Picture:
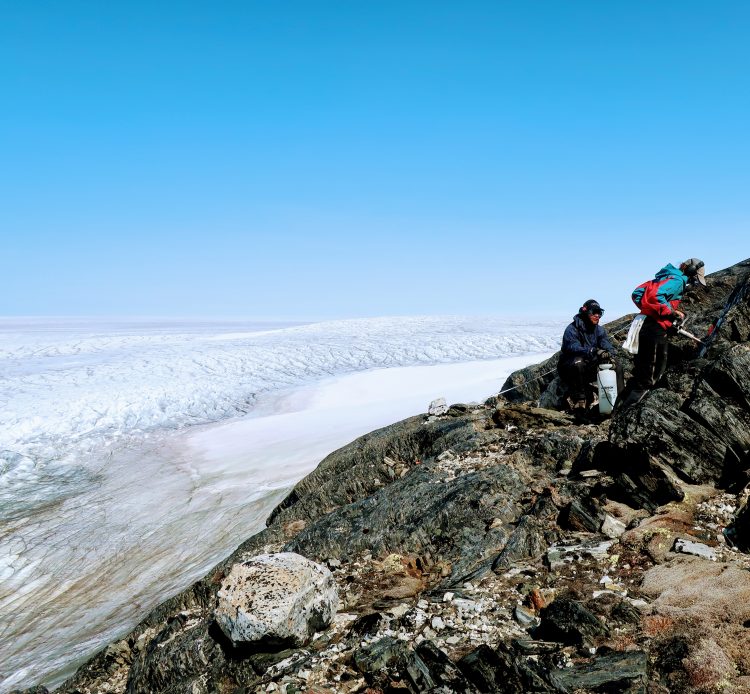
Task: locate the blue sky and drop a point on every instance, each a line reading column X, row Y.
column 331, row 159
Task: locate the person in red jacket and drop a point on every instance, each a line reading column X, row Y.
column 658, row 300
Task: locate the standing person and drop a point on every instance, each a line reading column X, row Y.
column 658, row 300
column 585, row 345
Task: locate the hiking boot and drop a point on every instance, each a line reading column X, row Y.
column 580, row 411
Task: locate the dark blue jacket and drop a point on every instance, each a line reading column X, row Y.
column 582, row 339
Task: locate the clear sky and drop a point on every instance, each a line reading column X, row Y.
column 313, row 159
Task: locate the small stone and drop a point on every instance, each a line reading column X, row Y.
column 437, row 623
column 523, row 616
column 697, row 549
column 452, row 640
column 423, row 604
column 612, row 527
column 559, row 555
column 399, row 611
column 537, row 599
column 447, row 597
column 590, row 473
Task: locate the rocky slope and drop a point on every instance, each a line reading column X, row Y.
column 505, row 547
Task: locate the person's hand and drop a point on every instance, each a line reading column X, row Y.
column 680, row 315
column 603, row 355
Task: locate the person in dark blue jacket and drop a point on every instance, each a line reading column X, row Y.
column 585, row 345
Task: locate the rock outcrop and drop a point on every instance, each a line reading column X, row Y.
column 501, row 547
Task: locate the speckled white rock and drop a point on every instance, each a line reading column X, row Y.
column 437, row 407
column 276, row 598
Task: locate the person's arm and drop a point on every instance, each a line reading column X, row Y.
column 669, row 295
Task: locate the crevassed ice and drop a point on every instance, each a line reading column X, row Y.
column 69, row 388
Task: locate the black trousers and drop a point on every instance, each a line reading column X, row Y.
column 579, row 373
column 648, row 365
column 651, row 361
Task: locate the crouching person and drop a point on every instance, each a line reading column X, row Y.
column 585, row 345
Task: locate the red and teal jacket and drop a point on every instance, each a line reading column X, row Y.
column 660, row 297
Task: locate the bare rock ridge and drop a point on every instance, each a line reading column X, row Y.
column 495, row 547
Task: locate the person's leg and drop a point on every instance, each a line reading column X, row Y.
column 660, row 358
column 644, row 361
column 620, row 377
column 572, row 375
column 588, row 375
column 650, row 338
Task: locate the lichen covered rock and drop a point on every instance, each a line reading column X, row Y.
column 278, row 598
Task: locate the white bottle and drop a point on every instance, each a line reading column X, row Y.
column 607, row 381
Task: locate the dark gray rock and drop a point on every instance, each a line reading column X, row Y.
column 623, row 612
column 636, row 479
column 614, row 672
column 728, row 423
column 384, row 653
column 534, row 532
column 554, row 396
column 557, row 448
column 350, row 474
column 436, row 669
column 584, row 515
column 529, row 383
column 366, row 624
column 502, row 670
column 178, row 656
column 670, row 437
column 738, row 533
column 416, row 516
column 569, row 622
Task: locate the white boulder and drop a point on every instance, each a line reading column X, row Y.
column 437, row 407
column 280, row 598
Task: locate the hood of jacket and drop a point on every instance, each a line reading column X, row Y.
column 582, row 324
column 670, row 270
